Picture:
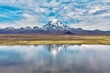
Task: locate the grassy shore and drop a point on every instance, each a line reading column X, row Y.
column 29, row 39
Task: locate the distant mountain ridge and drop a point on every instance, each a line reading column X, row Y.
column 52, row 27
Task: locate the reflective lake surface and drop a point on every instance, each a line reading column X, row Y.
column 55, row 59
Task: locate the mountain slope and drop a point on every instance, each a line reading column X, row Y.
column 55, row 25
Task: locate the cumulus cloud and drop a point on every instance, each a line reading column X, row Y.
column 87, row 14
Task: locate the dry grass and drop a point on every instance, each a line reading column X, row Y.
column 28, row 39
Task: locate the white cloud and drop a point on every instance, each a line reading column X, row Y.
column 36, row 12
column 28, row 20
column 98, row 24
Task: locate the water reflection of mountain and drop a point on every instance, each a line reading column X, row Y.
column 54, row 49
column 55, row 59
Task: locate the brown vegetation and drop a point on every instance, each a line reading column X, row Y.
column 16, row 39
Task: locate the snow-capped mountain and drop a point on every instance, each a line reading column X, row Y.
column 52, row 27
column 55, row 25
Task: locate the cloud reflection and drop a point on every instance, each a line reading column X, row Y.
column 65, row 58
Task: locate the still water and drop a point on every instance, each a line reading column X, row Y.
column 55, row 59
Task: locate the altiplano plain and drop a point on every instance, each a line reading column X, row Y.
column 28, row 39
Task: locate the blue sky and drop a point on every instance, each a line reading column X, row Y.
column 86, row 14
column 41, row 55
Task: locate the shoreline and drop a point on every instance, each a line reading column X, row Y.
column 46, row 42
column 30, row 39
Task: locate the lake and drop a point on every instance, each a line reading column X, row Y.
column 55, row 59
